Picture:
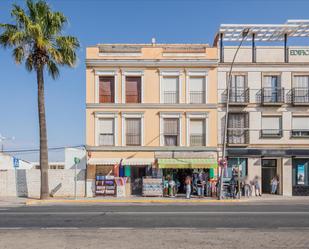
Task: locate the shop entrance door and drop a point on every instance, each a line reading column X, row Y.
column 269, row 170
column 137, row 174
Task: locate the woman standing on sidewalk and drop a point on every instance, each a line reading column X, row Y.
column 274, row 184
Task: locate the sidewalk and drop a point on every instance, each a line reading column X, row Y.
column 12, row 201
column 166, row 200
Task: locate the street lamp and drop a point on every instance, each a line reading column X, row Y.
column 244, row 34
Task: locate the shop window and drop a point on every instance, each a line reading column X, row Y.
column 106, row 89
column 233, row 164
column 300, row 172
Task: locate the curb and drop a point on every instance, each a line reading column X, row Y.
column 63, row 201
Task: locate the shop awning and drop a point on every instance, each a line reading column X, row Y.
column 196, row 163
column 129, row 161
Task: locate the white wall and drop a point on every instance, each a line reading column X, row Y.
column 6, row 162
column 71, row 153
column 26, row 183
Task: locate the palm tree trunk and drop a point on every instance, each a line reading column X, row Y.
column 43, row 135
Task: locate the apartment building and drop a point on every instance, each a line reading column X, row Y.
column 268, row 120
column 150, row 108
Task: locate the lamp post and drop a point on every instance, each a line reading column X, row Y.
column 244, row 34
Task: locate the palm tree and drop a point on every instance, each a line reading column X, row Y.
column 36, row 39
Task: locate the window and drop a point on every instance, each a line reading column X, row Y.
column 133, row 131
column 106, row 89
column 300, row 172
column 301, row 81
column 300, row 126
column 300, row 91
column 106, row 131
column 133, row 89
column 197, row 132
column 237, row 128
column 272, row 91
column 271, row 127
column 233, row 165
column 170, row 90
column 197, row 90
column 171, row 131
column 238, row 89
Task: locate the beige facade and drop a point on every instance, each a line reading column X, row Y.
column 155, row 68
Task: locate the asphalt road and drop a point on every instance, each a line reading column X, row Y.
column 227, row 216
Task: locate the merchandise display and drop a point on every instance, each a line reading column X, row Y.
column 105, row 185
column 152, row 187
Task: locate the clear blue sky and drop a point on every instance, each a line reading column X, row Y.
column 93, row 22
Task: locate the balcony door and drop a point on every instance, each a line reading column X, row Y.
column 237, row 91
column 271, row 86
column 301, row 88
column 133, row 89
column 170, row 90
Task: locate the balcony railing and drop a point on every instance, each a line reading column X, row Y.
column 300, row 133
column 300, row 96
column 170, row 140
column 197, row 97
column 237, row 136
column 170, row 97
column 271, row 133
column 106, row 139
column 272, row 95
column 197, row 140
column 133, row 139
column 237, row 96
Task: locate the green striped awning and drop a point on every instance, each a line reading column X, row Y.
column 195, row 163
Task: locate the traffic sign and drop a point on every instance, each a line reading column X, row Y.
column 76, row 160
column 15, row 162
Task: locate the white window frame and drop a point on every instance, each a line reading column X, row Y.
column 192, row 73
column 97, row 74
column 190, row 116
column 172, row 73
column 134, row 73
column 125, row 115
column 102, row 115
column 164, row 115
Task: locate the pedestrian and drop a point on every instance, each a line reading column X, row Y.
column 274, row 184
column 188, row 182
column 257, row 188
column 199, row 188
column 233, row 184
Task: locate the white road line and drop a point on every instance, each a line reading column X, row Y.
column 59, row 228
column 11, row 228
column 156, row 213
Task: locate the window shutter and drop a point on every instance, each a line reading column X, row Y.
column 170, row 84
column 301, row 81
column 300, row 123
column 271, row 123
column 106, row 89
column 171, row 126
column 197, row 127
column 197, row 84
column 133, row 89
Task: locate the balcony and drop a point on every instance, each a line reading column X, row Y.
column 271, row 133
column 133, row 139
column 238, row 96
column 197, row 140
column 238, row 136
column 197, row 97
column 170, row 97
column 300, row 96
column 300, row 133
column 272, row 96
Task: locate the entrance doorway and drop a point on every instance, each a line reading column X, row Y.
column 137, row 174
column 269, row 170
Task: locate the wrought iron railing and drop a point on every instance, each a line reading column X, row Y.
column 300, row 133
column 237, row 96
column 300, row 95
column 271, row 133
column 106, row 139
column 272, row 95
column 197, row 97
column 237, row 136
column 197, row 140
column 170, row 97
column 133, row 139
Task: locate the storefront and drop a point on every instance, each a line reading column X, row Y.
column 203, row 173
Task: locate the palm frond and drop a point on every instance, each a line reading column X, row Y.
column 52, row 69
column 18, row 54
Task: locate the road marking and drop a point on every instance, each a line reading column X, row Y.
column 109, row 213
column 59, row 228
column 11, row 228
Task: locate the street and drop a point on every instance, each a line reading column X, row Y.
column 233, row 225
